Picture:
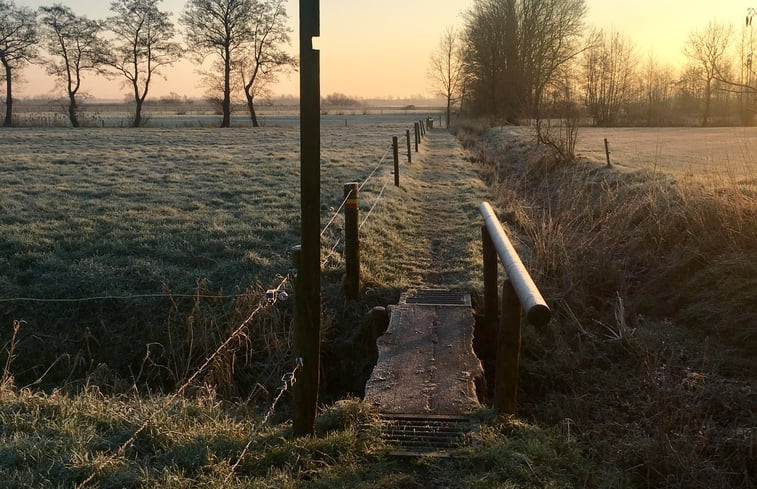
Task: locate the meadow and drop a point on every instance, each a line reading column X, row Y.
column 644, row 378
column 148, row 222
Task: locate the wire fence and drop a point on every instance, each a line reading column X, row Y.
column 270, row 298
column 331, row 249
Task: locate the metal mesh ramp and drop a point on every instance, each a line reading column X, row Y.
column 428, row 435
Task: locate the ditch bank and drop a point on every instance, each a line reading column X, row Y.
column 651, row 279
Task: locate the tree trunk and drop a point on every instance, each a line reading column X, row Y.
column 251, row 108
column 227, row 90
column 449, row 105
column 8, row 97
column 707, row 100
column 72, row 110
column 138, row 114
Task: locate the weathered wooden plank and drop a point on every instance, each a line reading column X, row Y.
column 426, row 362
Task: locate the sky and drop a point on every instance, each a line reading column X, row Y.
column 380, row 49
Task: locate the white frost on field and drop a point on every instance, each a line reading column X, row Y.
column 117, row 211
column 729, row 152
column 725, row 152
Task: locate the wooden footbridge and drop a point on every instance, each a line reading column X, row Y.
column 425, row 382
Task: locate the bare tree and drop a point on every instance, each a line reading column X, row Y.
column 264, row 57
column 707, row 49
column 223, row 28
column 446, row 70
column 491, row 57
column 18, row 38
column 550, row 33
column 609, row 68
column 75, row 45
column 656, row 89
column 143, row 45
column 516, row 48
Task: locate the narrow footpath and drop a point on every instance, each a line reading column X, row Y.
column 429, row 234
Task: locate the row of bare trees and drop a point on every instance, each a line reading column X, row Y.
column 536, row 59
column 246, row 39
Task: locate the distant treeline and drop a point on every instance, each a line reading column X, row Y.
column 537, row 59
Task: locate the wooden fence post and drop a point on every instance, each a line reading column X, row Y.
column 508, row 352
column 417, row 136
column 396, row 151
column 351, row 242
column 409, row 153
column 607, row 152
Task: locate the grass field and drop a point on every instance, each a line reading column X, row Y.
column 644, row 378
column 108, row 212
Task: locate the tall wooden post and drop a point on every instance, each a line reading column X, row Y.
column 307, row 310
column 417, row 136
column 351, row 242
column 396, row 151
column 508, row 352
column 409, row 153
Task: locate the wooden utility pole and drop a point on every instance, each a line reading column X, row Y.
column 307, row 310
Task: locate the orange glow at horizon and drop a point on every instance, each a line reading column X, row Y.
column 381, row 49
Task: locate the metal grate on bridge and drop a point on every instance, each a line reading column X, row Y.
column 428, row 435
column 436, row 297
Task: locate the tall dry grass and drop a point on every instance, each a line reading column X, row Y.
column 653, row 280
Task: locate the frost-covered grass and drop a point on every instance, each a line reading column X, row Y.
column 51, row 441
column 110, row 212
column 425, row 232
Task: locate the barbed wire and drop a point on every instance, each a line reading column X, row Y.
column 123, row 297
column 288, row 380
column 271, row 297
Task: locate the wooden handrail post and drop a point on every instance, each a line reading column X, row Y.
column 508, row 352
column 351, row 242
column 409, row 153
column 396, row 152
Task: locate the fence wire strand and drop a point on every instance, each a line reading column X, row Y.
column 336, row 214
column 373, row 207
column 123, row 297
column 383, row 158
column 288, row 380
column 264, row 303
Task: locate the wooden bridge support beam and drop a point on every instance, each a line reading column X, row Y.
column 508, row 351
